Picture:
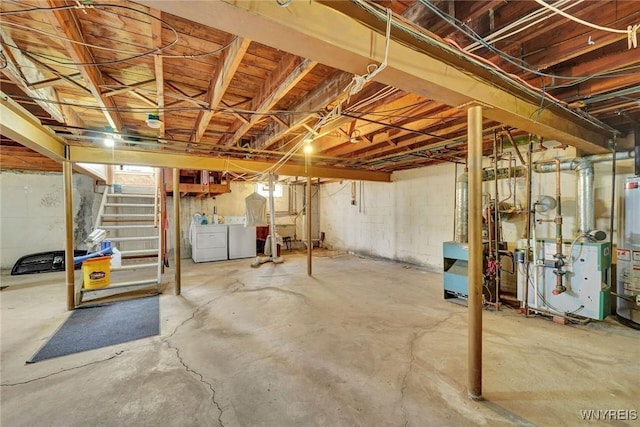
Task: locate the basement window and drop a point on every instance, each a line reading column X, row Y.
column 263, row 189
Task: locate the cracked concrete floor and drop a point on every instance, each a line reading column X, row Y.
column 363, row 342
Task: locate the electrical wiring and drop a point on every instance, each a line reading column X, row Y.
column 489, row 66
column 372, row 8
column 200, row 55
column 464, row 28
column 418, row 132
column 618, row 72
column 356, row 84
column 146, row 109
column 94, row 6
column 631, row 31
column 110, row 49
column 59, row 37
column 537, row 16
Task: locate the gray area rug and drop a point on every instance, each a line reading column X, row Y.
column 103, row 325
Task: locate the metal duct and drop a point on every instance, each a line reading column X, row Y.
column 461, row 232
column 585, row 197
column 585, row 204
column 566, row 165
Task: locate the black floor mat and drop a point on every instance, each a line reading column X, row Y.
column 101, row 326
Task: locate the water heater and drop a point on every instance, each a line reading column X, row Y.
column 628, row 277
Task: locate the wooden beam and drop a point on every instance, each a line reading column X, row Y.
column 394, row 101
column 20, row 70
column 127, row 88
column 570, row 41
column 183, row 97
column 64, row 22
column 234, row 114
column 280, row 120
column 317, row 99
column 289, row 72
column 57, row 73
column 424, row 66
column 125, row 155
column 54, row 80
column 228, row 64
column 450, row 122
column 595, row 87
column 19, row 125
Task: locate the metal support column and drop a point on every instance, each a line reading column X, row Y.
column 474, row 117
column 68, row 223
column 176, row 229
column 308, row 212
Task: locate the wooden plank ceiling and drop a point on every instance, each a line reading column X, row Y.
column 85, row 71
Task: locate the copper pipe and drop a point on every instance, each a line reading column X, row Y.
column 474, row 117
column 559, row 256
column 67, row 172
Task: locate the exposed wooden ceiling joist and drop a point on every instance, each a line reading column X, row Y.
column 15, row 61
column 228, row 64
column 280, row 82
column 308, row 30
column 65, row 23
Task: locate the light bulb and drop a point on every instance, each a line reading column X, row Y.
column 308, row 148
column 109, row 142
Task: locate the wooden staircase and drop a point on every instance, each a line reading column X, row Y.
column 130, row 215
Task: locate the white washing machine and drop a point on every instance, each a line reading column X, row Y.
column 209, row 242
column 242, row 240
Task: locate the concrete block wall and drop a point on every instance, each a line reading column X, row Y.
column 405, row 220
column 32, row 217
column 408, row 219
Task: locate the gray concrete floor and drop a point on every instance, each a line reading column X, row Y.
column 363, row 342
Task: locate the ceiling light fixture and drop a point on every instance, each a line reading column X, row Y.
column 153, row 121
column 308, row 148
column 109, row 137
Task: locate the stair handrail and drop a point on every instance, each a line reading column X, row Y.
column 98, row 221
